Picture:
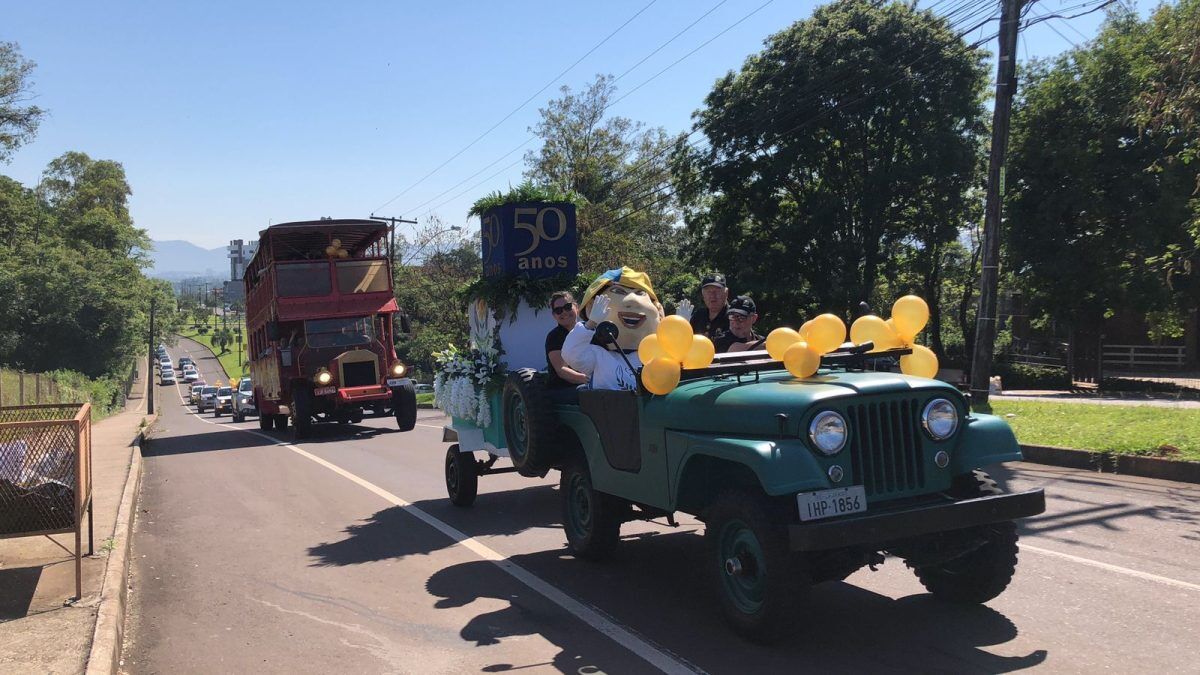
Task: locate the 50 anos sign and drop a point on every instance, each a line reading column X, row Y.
column 533, row 239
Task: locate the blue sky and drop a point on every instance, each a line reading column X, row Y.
column 230, row 115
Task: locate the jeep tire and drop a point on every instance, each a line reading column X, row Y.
column 530, row 427
column 757, row 583
column 462, row 476
column 591, row 519
column 983, row 573
column 404, row 406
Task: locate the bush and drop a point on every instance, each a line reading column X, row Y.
column 1021, row 376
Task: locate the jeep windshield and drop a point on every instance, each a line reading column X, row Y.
column 349, row 332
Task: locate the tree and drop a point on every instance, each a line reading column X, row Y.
column 620, row 169
column 18, row 121
column 852, row 135
column 1096, row 222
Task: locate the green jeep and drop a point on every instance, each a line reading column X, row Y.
column 798, row 481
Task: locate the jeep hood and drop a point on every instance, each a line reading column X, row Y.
column 724, row 405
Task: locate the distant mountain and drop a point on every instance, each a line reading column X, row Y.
column 177, row 259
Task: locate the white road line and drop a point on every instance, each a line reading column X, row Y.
column 1113, row 568
column 655, row 656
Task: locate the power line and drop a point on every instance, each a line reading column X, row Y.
column 519, row 107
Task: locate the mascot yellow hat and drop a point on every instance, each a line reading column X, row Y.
column 624, row 277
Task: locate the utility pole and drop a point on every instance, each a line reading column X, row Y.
column 150, row 364
column 392, row 242
column 989, row 277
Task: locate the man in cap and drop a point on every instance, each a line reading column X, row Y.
column 741, row 336
column 711, row 320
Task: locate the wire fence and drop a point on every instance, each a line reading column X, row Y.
column 18, row 388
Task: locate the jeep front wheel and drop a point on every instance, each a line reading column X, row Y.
column 748, row 560
column 462, row 478
column 985, row 571
column 591, row 519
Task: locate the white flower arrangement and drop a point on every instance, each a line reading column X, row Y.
column 464, row 378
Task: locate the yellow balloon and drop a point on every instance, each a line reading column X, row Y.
column 871, row 328
column 675, row 337
column 909, row 315
column 801, row 360
column 922, row 362
column 779, row 340
column 826, row 334
column 804, row 328
column 343, row 253
column 330, row 251
column 701, row 353
column 661, row 375
column 649, row 349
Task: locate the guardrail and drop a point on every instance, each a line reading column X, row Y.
column 1137, row 357
column 46, row 474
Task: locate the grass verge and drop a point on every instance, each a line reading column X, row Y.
column 425, row 399
column 1129, row 430
column 230, row 359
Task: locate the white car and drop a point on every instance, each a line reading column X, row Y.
column 167, row 376
column 190, row 375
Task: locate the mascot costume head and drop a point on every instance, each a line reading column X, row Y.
column 633, row 306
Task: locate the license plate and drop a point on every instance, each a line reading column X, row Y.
column 829, row 503
column 324, row 391
column 398, row 382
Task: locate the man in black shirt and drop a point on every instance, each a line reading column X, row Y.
column 741, row 336
column 711, row 319
column 566, row 315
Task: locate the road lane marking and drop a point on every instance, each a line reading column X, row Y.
column 1112, row 568
column 655, row 656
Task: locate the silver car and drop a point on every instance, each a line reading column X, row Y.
column 208, row 399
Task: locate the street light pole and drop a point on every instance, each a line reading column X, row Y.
column 989, row 277
column 392, row 242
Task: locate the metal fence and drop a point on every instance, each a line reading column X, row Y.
column 46, row 473
column 21, row 388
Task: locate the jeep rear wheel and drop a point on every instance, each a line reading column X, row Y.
column 530, row 428
column 984, row 572
column 591, row 519
column 757, row 585
column 462, row 478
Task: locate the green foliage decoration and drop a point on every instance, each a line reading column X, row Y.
column 526, row 191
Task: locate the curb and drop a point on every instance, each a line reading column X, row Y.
column 104, row 656
column 1106, row 462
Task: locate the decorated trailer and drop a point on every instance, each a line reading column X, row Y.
column 805, row 461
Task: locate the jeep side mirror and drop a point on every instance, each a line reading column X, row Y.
column 607, row 332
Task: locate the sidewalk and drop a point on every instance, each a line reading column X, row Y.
column 41, row 631
column 1088, row 398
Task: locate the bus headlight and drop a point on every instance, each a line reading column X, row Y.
column 828, row 433
column 399, row 369
column 323, row 377
column 940, row 419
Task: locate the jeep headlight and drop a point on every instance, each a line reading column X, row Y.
column 940, row 419
column 828, row 433
column 398, row 369
column 323, row 377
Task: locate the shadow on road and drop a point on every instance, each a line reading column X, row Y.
column 394, row 533
column 17, row 586
column 208, row 441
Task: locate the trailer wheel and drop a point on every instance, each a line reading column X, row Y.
column 404, row 406
column 530, row 428
column 462, row 476
column 266, row 422
column 301, row 412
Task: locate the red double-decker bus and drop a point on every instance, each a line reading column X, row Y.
column 320, row 320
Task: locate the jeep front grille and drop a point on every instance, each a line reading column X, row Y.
column 360, row 374
column 885, row 447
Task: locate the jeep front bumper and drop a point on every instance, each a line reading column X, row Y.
column 885, row 527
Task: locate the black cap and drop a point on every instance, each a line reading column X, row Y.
column 742, row 304
column 714, row 279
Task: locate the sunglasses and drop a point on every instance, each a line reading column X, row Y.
column 739, row 317
column 563, row 308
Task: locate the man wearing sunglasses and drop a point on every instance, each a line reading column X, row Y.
column 741, row 336
column 566, row 315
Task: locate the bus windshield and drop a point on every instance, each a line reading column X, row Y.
column 339, row 332
column 298, row 280
column 362, row 276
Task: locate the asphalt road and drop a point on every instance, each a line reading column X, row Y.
column 343, row 553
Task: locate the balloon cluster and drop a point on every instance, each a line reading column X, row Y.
column 909, row 316
column 335, row 250
column 801, row 350
column 670, row 349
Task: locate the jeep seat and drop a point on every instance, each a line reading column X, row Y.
column 615, row 415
